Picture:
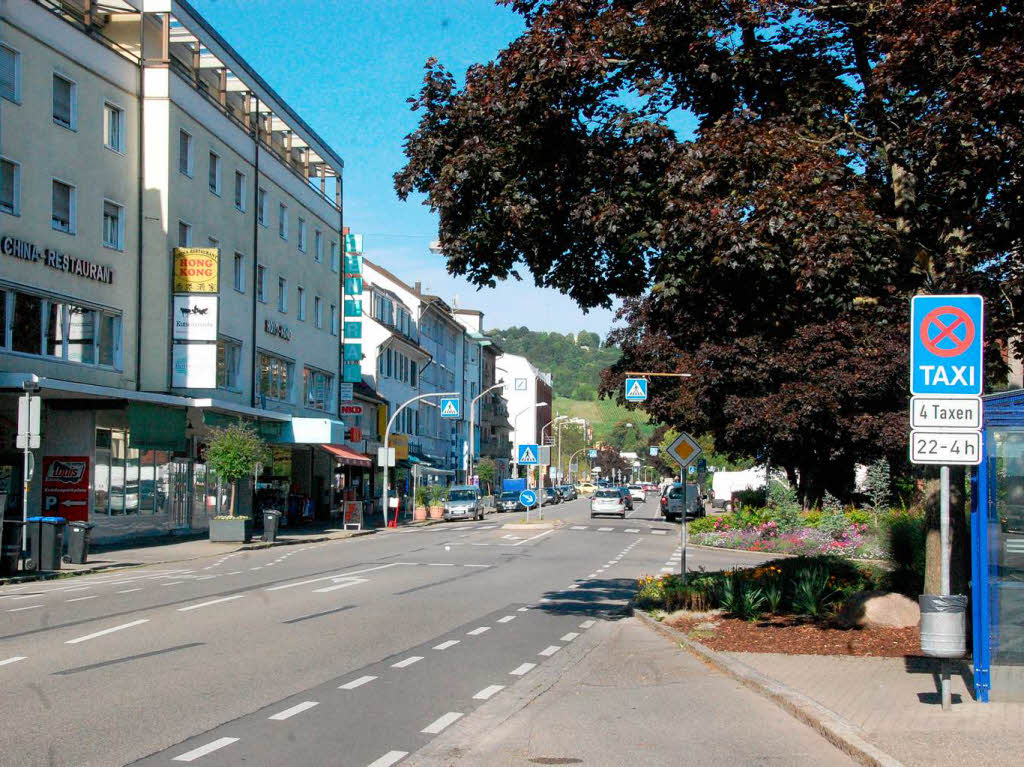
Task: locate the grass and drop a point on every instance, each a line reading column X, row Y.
column 603, row 414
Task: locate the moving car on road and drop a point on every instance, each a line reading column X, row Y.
column 638, row 493
column 509, row 501
column 585, row 488
column 626, row 495
column 608, row 500
column 463, row 502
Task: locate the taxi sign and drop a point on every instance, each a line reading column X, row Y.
column 684, row 450
column 946, row 344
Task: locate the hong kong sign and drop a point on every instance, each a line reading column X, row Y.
column 195, row 270
column 56, row 260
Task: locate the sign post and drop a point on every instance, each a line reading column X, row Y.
column 684, row 450
column 528, row 498
column 28, row 439
column 946, row 372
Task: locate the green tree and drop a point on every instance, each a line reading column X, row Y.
column 486, row 471
column 233, row 453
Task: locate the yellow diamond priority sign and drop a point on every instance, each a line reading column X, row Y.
column 684, row 450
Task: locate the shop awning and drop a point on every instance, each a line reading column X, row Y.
column 155, row 427
column 347, row 456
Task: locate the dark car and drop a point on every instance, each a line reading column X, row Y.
column 568, row 492
column 509, row 501
column 624, row 491
column 550, row 497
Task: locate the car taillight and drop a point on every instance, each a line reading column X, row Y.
column 664, row 501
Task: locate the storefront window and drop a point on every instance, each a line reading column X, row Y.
column 26, row 323
column 128, row 480
column 81, row 335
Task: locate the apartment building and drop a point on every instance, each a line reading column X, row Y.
column 528, row 393
column 170, row 257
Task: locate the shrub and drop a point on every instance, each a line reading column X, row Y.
column 904, row 534
column 833, row 524
column 813, row 591
column 697, row 594
column 422, row 496
column 740, row 597
column 437, row 495
column 754, row 498
column 860, row 517
column 650, row 593
column 784, row 502
column 812, row 518
column 704, row 525
column 879, row 485
column 773, row 593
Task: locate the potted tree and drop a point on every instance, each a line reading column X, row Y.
column 437, row 493
column 234, row 453
column 422, row 496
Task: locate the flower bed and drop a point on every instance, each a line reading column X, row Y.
column 855, row 540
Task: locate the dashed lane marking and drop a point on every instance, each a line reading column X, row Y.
column 407, row 662
column 659, row 532
column 19, row 609
column 523, row 669
column 489, row 692
column 211, row 602
column 578, row 527
column 478, row 631
column 632, row 530
column 586, row 624
column 288, row 713
column 13, row 659
column 549, row 650
column 357, row 683
column 104, row 632
column 82, row 599
column 390, row 758
column 605, row 529
column 446, row 645
column 506, row 619
column 209, row 748
column 522, row 609
column 129, row 591
column 569, row 637
column 439, row 724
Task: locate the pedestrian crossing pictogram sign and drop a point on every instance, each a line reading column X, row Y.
column 529, row 455
column 684, row 450
column 450, row 407
column 636, row 389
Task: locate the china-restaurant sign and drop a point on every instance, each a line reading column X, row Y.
column 56, row 260
column 196, row 270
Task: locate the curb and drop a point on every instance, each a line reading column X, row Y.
column 257, row 545
column 840, row 733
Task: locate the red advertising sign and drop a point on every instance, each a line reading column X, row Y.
column 66, row 487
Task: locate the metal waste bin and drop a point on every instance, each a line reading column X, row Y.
column 78, row 535
column 271, row 518
column 10, row 549
column 45, row 542
column 943, row 625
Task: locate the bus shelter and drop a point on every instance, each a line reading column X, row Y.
column 997, row 549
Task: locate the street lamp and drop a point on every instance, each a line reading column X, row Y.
column 472, row 424
column 556, row 419
column 515, row 425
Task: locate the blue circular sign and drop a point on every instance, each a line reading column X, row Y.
column 528, row 498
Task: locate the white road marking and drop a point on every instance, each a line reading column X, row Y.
column 209, row 748
column 13, row 659
column 486, row 527
column 338, row 575
column 532, row 538
column 569, row 637
column 408, row 661
column 211, row 602
column 390, row 758
column 573, row 586
column 439, row 564
column 104, row 632
column 489, row 692
column 506, row 619
column 441, row 722
column 173, row 583
column 578, row 527
column 478, row 631
column 667, row 570
column 81, row 599
column 632, row 530
column 586, row 624
column 236, row 572
column 659, row 532
column 446, row 645
column 522, row 609
column 344, row 584
column 76, row 588
column 357, row 683
column 524, row 669
column 129, row 591
column 19, row 609
column 549, row 650
column 288, row 713
column 604, row 529
column 476, row 565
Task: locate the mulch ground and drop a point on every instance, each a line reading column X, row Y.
column 793, row 636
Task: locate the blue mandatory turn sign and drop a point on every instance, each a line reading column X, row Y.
column 946, row 344
column 528, row 455
column 528, row 498
column 450, row 407
column 636, row 389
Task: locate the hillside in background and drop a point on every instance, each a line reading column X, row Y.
column 574, row 361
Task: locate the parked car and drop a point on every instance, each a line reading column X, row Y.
column 463, row 502
column 678, row 500
column 608, row 500
column 559, row 497
column 638, row 493
column 626, row 494
column 549, row 498
column 568, row 492
column 509, row 502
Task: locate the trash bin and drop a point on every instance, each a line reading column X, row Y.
column 10, row 549
column 943, row 625
column 45, row 542
column 78, row 535
column 271, row 517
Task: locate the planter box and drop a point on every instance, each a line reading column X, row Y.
column 234, row 530
column 419, row 513
column 437, row 512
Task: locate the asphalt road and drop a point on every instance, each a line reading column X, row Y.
column 354, row 652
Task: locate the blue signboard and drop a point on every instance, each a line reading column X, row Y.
column 636, row 389
column 592, row 453
column 528, row 498
column 528, row 455
column 946, row 344
column 450, row 407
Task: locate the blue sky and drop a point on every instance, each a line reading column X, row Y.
column 348, row 66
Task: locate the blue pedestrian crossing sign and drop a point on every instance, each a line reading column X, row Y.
column 946, row 344
column 592, row 452
column 528, row 498
column 528, row 455
column 636, row 389
column 449, row 407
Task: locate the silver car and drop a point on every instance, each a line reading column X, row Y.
column 463, row 502
column 608, row 500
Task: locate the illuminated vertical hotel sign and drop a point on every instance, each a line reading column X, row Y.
column 352, row 371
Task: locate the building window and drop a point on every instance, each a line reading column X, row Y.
column 51, row 327
column 302, row 234
column 334, row 320
column 261, row 284
column 113, row 225
column 391, row 363
column 318, row 387
column 10, row 74
column 335, row 261
column 63, row 212
column 65, row 102
column 282, row 220
column 10, row 187
column 238, row 273
column 229, row 364
column 184, row 235
column 262, row 205
column 186, row 162
column 113, row 127
column 302, row 304
column 318, row 312
column 275, row 380
column 214, row 180
column 412, row 374
column 282, row 294
column 213, row 243
column 318, row 246
column 129, row 480
column 240, row 191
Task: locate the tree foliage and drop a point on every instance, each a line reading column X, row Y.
column 234, row 452
column 843, row 156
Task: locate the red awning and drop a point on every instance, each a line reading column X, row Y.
column 347, row 456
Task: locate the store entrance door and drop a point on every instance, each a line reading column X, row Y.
column 180, row 506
